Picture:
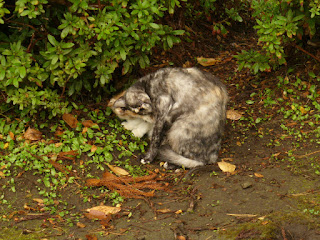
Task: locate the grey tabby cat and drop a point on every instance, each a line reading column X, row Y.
column 182, row 109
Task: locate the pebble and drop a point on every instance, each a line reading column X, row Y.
column 246, row 185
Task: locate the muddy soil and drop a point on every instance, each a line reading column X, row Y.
column 262, row 199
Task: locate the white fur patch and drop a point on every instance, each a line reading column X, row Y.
column 137, row 126
column 144, row 161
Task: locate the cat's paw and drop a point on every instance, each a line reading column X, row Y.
column 143, row 161
column 138, row 132
column 170, row 166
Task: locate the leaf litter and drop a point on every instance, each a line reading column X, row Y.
column 130, row 187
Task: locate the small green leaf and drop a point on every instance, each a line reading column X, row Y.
column 154, row 25
column 67, row 45
column 136, row 36
column 169, row 41
column 2, row 74
column 22, row 71
column 54, row 59
column 16, row 82
column 123, row 54
column 52, row 40
column 64, row 32
column 178, row 32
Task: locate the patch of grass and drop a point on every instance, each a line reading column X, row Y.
column 64, row 158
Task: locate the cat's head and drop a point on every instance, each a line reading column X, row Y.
column 133, row 103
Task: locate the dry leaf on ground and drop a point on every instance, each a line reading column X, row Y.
column 259, row 175
column 89, row 123
column 81, row 225
column 117, row 170
column 181, row 238
column 94, row 214
column 165, row 210
column 178, row 212
column 207, row 61
column 12, row 135
column 32, row 134
column 93, row 148
column 227, row 167
column 91, row 237
column 105, row 209
column 234, row 115
column 38, row 200
column 70, row 120
column 241, row 215
column 101, row 212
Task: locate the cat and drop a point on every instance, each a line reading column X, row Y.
column 183, row 110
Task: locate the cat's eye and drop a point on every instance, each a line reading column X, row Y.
column 123, row 108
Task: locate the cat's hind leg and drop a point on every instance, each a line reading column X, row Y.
column 166, row 154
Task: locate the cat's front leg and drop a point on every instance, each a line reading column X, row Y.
column 163, row 106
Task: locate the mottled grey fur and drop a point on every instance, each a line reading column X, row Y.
column 182, row 109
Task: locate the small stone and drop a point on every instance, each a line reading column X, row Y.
column 246, row 185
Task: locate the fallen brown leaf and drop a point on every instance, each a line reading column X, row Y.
column 242, row 215
column 259, row 175
column 32, row 134
column 105, row 209
column 2, row 175
column 178, row 212
column 70, row 120
column 165, row 210
column 84, row 130
column 59, row 144
column 226, row 167
column 234, row 115
column 117, row 170
column 58, row 132
column 12, row 135
column 94, row 214
column 94, row 148
column 88, row 123
column 80, row 225
column 227, row 159
column 181, row 238
column 91, row 237
column 38, row 200
column 207, row 61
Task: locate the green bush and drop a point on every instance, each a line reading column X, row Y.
column 220, row 14
column 279, row 24
column 52, row 48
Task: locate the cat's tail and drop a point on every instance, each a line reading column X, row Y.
column 166, row 154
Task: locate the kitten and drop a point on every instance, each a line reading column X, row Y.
column 182, row 109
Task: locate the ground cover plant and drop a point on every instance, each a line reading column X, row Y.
column 77, row 175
